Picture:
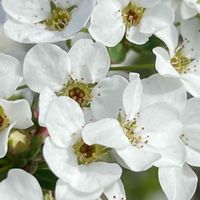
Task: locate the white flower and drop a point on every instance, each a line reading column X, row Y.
column 181, row 183
column 13, row 114
column 142, row 134
column 115, row 191
column 183, row 62
column 139, row 19
column 178, row 183
column 78, row 164
column 20, row 185
column 73, row 74
column 10, row 75
column 45, row 20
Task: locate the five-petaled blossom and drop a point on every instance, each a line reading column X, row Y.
column 41, row 21
column 79, row 74
column 110, row 20
column 83, row 167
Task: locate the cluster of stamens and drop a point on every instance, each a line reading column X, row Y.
column 87, row 154
column 132, row 14
column 58, row 19
column 129, row 128
column 78, row 91
column 77, row 94
column 181, row 63
column 4, row 121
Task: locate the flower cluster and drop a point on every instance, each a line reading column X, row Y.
column 66, row 116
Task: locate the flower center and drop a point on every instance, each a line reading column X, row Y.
column 132, row 15
column 4, row 120
column 59, row 18
column 180, row 62
column 80, row 92
column 87, row 154
column 129, row 127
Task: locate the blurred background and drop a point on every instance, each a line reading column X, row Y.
column 138, row 186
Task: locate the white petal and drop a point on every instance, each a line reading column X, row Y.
column 4, row 140
column 132, row 97
column 27, row 11
column 122, row 3
column 31, row 33
column 156, row 18
column 169, row 36
column 64, row 190
column 135, row 36
column 190, row 115
column 10, row 75
column 190, row 34
column 116, row 191
column 166, row 89
column 20, row 185
column 178, row 183
column 106, row 132
column 137, row 159
column 62, row 161
column 192, row 83
column 18, row 112
column 88, row 115
column 163, row 65
column 46, row 65
column 95, row 176
column 146, row 3
column 187, row 12
column 106, row 92
column 90, row 61
column 64, row 118
column 172, row 155
column 192, row 156
column 107, row 24
column 162, row 123
column 66, row 4
column 79, row 18
column 46, row 96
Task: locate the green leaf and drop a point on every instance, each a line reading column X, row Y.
column 117, row 53
column 46, row 179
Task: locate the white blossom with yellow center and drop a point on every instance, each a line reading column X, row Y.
column 111, row 20
column 182, row 61
column 42, row 21
column 143, row 135
column 82, row 166
column 79, row 74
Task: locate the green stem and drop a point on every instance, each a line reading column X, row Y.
column 133, row 68
column 6, row 168
column 3, row 162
